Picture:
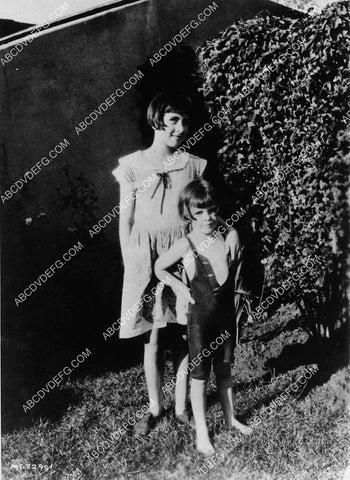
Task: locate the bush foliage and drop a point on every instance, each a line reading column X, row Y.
column 285, row 149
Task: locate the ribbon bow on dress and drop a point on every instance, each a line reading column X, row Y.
column 165, row 180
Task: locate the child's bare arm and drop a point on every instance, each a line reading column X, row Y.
column 166, row 260
column 232, row 241
column 233, row 245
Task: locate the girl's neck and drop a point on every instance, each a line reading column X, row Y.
column 158, row 153
column 200, row 236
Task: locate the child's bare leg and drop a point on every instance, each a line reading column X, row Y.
column 199, row 404
column 154, row 369
column 222, row 368
column 226, row 400
column 180, row 355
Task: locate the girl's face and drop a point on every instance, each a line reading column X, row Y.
column 205, row 220
column 175, row 129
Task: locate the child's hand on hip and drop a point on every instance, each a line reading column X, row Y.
column 181, row 289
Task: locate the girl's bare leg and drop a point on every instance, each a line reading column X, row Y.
column 226, row 400
column 180, row 355
column 154, row 369
column 224, row 385
column 199, row 406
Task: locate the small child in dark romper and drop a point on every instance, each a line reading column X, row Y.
column 211, row 325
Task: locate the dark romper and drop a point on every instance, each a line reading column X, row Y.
column 210, row 316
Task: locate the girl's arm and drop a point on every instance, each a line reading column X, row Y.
column 224, row 224
column 232, row 242
column 166, row 260
column 234, row 246
column 126, row 217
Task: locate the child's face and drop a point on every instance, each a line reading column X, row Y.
column 205, row 220
column 175, row 129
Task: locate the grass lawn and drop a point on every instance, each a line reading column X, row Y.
column 304, row 438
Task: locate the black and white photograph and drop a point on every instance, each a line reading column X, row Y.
column 175, row 256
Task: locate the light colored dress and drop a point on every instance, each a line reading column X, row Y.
column 157, row 225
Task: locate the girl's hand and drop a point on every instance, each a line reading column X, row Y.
column 233, row 245
column 129, row 175
column 181, row 289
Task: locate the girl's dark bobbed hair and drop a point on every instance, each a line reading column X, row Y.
column 197, row 194
column 166, row 102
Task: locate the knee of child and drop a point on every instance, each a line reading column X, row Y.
column 199, row 382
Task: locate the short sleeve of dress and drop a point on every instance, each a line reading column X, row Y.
column 121, row 172
column 200, row 164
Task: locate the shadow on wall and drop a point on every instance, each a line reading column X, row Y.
column 178, row 71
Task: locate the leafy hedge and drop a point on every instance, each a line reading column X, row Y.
column 285, row 150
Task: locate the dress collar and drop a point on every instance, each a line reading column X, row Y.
column 171, row 164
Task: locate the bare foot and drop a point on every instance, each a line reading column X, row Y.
column 241, row 427
column 204, row 444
